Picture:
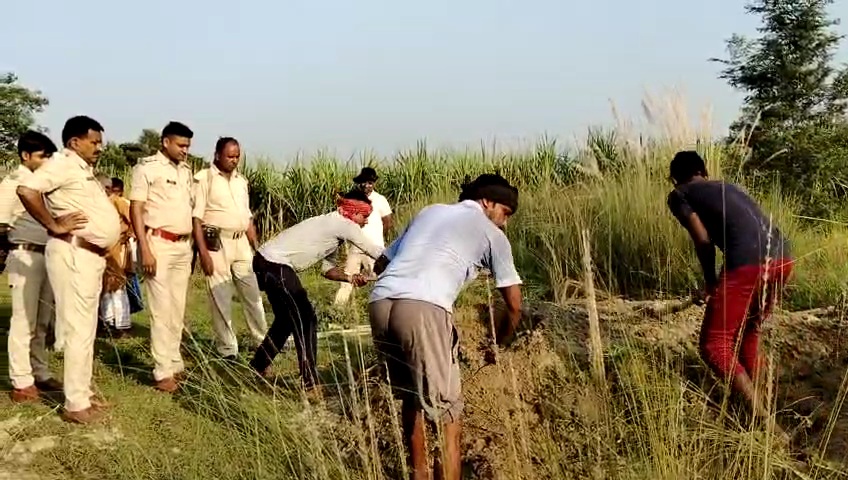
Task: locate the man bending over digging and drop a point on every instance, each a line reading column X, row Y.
column 411, row 307
column 756, row 264
column 295, row 249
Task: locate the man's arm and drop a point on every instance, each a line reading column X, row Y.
column 507, row 281
column 380, row 264
column 354, row 235
column 33, row 202
column 137, row 217
column 252, row 237
column 388, row 224
column 137, row 220
column 49, row 177
column 512, row 299
column 704, row 248
column 337, row 274
column 8, row 200
column 138, row 197
column 200, row 244
column 331, row 271
column 385, row 211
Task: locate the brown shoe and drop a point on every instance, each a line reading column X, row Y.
column 29, row 394
column 49, row 385
column 98, row 402
column 180, row 376
column 167, row 385
column 89, row 415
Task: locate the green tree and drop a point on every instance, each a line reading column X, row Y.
column 795, row 99
column 18, row 106
column 787, row 73
column 149, row 141
column 116, row 157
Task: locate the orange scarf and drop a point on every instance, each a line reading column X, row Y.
column 350, row 207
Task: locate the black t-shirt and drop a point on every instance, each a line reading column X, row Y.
column 734, row 222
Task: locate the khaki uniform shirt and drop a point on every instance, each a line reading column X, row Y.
column 165, row 189
column 220, row 201
column 68, row 185
column 24, row 228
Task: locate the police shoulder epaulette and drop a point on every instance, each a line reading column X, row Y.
column 201, row 175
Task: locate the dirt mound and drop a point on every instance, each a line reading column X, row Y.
column 530, row 414
column 505, row 402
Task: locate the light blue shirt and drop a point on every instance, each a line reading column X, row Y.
column 440, row 251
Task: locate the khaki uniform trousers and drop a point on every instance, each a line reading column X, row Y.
column 76, row 276
column 166, row 292
column 234, row 271
column 356, row 260
column 32, row 313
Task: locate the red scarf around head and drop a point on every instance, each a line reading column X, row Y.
column 350, row 207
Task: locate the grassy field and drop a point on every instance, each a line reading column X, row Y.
column 150, row 435
column 537, row 413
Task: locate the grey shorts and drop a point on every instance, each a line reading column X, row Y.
column 420, row 345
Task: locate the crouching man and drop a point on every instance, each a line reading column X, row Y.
column 295, row 249
column 757, row 263
column 411, row 307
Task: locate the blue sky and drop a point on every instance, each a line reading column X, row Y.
column 297, row 75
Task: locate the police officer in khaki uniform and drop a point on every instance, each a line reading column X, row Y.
column 32, row 297
column 160, row 205
column 226, row 238
column 65, row 197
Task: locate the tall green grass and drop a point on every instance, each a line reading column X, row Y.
column 615, row 185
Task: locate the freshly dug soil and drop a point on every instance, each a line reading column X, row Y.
column 540, row 387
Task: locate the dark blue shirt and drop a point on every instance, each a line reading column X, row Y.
column 734, row 222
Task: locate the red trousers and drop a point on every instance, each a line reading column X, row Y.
column 744, row 298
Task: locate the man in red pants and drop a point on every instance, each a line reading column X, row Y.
column 757, row 262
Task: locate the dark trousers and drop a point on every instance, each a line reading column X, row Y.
column 293, row 314
column 134, row 293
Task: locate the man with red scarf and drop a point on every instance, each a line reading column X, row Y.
column 295, row 249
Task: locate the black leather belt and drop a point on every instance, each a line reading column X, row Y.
column 29, row 247
column 82, row 243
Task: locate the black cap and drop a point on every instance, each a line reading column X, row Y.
column 367, row 174
column 490, row 186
